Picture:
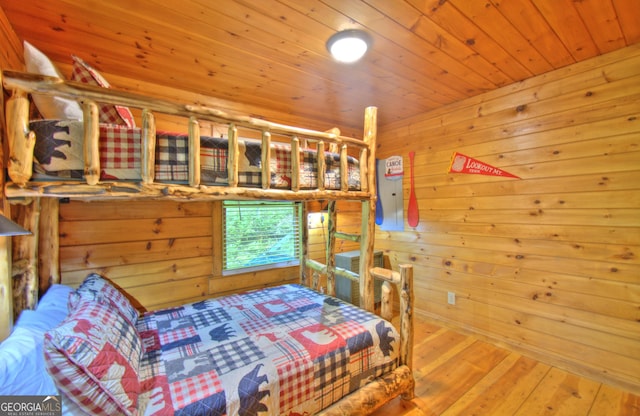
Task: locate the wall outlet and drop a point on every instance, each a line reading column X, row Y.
column 451, row 298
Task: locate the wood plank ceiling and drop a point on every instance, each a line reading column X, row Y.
column 271, row 54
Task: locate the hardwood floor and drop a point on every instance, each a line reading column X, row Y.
column 460, row 375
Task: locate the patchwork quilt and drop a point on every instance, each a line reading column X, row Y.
column 286, row 350
column 59, row 154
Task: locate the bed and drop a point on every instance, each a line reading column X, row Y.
column 286, row 350
column 181, row 360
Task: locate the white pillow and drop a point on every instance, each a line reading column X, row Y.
column 22, row 366
column 49, row 106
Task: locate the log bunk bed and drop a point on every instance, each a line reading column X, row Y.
column 362, row 397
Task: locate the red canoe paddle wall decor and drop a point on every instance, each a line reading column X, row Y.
column 413, row 214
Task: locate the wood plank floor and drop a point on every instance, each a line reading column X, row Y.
column 458, row 374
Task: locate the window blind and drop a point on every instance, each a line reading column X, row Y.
column 258, row 233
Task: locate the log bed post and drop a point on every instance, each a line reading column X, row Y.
column 320, row 157
column 232, row 155
column 344, row 168
column 266, row 158
column 368, row 227
column 194, row 152
column 295, row 164
column 148, row 147
column 25, row 258
column 48, row 243
column 91, row 142
column 6, row 298
column 21, row 139
column 304, row 244
column 330, row 260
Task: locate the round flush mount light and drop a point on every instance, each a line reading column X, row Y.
column 348, row 46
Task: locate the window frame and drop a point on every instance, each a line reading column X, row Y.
column 297, row 218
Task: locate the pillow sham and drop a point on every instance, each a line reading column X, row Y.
column 94, row 356
column 96, row 288
column 49, row 106
column 107, row 113
column 59, row 153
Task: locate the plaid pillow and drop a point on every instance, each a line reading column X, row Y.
column 95, row 288
column 94, row 358
column 107, row 113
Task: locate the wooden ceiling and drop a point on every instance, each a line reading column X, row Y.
column 270, row 54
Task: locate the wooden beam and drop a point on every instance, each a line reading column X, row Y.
column 132, row 191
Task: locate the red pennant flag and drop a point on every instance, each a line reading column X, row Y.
column 465, row 164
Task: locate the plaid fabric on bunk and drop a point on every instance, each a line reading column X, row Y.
column 119, row 151
column 172, row 158
column 59, row 153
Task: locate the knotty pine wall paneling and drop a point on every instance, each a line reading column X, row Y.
column 160, row 253
column 548, row 264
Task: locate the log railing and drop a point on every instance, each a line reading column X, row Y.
column 22, row 141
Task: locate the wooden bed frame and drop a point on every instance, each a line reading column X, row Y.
column 40, row 200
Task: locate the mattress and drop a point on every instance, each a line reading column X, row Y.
column 58, row 155
column 286, row 350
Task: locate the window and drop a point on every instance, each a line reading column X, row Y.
column 260, row 233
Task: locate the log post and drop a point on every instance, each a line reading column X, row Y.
column 48, row 244
column 368, row 227
column 6, row 297
column 331, row 248
column 304, row 244
column 91, row 142
column 295, row 164
column 6, row 282
column 344, row 168
column 232, row 156
column 148, row 147
column 21, row 140
column 406, row 320
column 194, row 152
column 386, row 300
column 322, row 168
column 25, row 259
column 266, row 160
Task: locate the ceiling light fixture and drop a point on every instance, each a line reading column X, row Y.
column 348, row 46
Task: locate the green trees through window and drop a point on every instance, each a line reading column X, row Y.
column 260, row 233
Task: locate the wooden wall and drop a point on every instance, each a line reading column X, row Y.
column 160, row 253
column 550, row 263
column 168, row 253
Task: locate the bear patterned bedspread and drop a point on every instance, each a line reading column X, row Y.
column 286, row 350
